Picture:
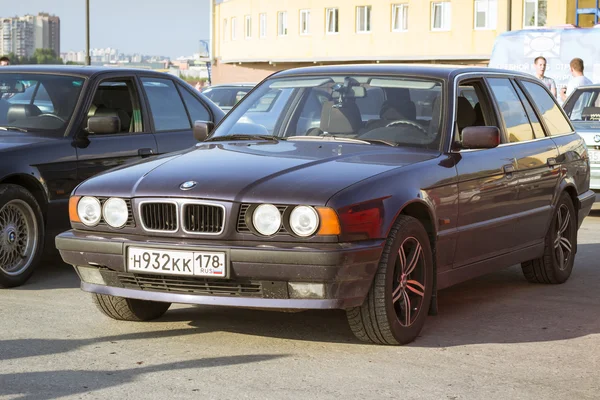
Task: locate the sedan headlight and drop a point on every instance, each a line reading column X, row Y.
column 89, row 210
column 266, row 219
column 115, row 212
column 304, row 221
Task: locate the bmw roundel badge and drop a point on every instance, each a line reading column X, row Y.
column 187, row 185
column 597, row 138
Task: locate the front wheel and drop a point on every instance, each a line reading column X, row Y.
column 398, row 302
column 556, row 264
column 124, row 309
column 21, row 235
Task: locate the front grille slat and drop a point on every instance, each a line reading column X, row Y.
column 203, row 218
column 159, row 216
column 193, row 285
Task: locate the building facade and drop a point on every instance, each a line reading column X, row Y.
column 23, row 35
column 252, row 38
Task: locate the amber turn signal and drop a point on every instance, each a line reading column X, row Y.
column 330, row 223
column 73, row 215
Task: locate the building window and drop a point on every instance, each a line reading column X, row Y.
column 363, row 19
column 304, row 22
column 399, row 17
column 535, row 13
column 332, row 20
column 225, row 29
column 233, row 23
column 248, row 27
column 441, row 13
column 263, row 25
column 486, row 14
column 282, row 26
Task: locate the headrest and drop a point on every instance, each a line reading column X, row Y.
column 465, row 115
column 340, row 118
column 21, row 111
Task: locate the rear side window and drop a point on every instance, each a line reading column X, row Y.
column 518, row 127
column 538, row 131
column 555, row 120
column 168, row 111
column 195, row 108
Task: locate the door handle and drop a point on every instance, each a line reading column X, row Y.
column 552, row 162
column 509, row 169
column 146, row 152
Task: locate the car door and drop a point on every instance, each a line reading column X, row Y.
column 173, row 110
column 487, row 184
column 536, row 154
column 114, row 96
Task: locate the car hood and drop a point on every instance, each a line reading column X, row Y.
column 10, row 140
column 284, row 172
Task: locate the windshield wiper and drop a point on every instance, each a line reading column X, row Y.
column 330, row 138
column 381, row 141
column 13, row 128
column 241, row 136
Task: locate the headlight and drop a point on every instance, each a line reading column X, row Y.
column 304, row 221
column 115, row 212
column 89, row 210
column 266, row 219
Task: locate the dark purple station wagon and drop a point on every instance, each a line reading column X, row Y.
column 369, row 188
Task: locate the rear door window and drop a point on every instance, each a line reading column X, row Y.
column 555, row 120
column 166, row 106
column 516, row 121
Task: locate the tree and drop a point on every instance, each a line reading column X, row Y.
column 45, row 56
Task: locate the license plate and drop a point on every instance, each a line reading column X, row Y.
column 594, row 156
column 177, row 262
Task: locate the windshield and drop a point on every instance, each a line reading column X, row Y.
column 584, row 105
column 37, row 102
column 395, row 110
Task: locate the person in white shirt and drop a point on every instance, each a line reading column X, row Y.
column 576, row 81
column 540, row 71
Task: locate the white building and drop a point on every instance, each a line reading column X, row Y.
column 23, row 35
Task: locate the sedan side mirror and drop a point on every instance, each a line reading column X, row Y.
column 104, row 125
column 202, row 129
column 480, row 137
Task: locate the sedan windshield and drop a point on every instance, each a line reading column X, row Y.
column 37, row 102
column 584, row 105
column 381, row 110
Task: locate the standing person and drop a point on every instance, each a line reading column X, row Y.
column 4, row 61
column 578, row 79
column 540, row 64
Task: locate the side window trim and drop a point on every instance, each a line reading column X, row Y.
column 524, row 101
column 536, row 110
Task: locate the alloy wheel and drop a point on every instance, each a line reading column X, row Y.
column 408, row 288
column 18, row 237
column 563, row 247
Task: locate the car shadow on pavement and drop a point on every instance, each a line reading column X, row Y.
column 52, row 273
column 55, row 384
column 501, row 307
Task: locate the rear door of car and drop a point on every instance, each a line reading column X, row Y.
column 536, row 174
column 487, row 182
column 173, row 109
column 119, row 95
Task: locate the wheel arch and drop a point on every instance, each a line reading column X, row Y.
column 32, row 185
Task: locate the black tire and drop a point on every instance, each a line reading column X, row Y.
column 21, row 231
column 548, row 268
column 380, row 319
column 124, row 309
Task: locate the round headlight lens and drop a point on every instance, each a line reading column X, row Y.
column 89, row 210
column 115, row 212
column 266, row 219
column 304, row 221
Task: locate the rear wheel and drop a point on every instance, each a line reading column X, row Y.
column 556, row 264
column 397, row 304
column 21, row 235
column 124, row 309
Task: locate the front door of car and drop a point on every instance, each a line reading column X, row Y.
column 487, row 183
column 173, row 110
column 536, row 154
column 118, row 97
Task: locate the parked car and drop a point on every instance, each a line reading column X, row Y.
column 62, row 125
column 373, row 217
column 583, row 108
column 227, row 95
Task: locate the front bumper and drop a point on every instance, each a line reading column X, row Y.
column 261, row 274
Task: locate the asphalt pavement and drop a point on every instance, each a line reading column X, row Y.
column 496, row 337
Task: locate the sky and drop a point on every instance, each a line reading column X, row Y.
column 171, row 28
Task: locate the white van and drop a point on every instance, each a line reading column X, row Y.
column 516, row 50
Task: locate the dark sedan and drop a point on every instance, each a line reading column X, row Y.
column 62, row 125
column 464, row 171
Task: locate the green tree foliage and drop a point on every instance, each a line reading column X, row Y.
column 40, row 56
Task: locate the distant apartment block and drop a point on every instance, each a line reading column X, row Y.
column 22, row 35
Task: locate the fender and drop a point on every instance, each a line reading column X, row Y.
column 33, row 182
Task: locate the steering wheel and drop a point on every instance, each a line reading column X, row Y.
column 405, row 122
column 54, row 116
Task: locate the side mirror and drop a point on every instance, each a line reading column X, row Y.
column 480, row 137
column 202, row 129
column 104, row 125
